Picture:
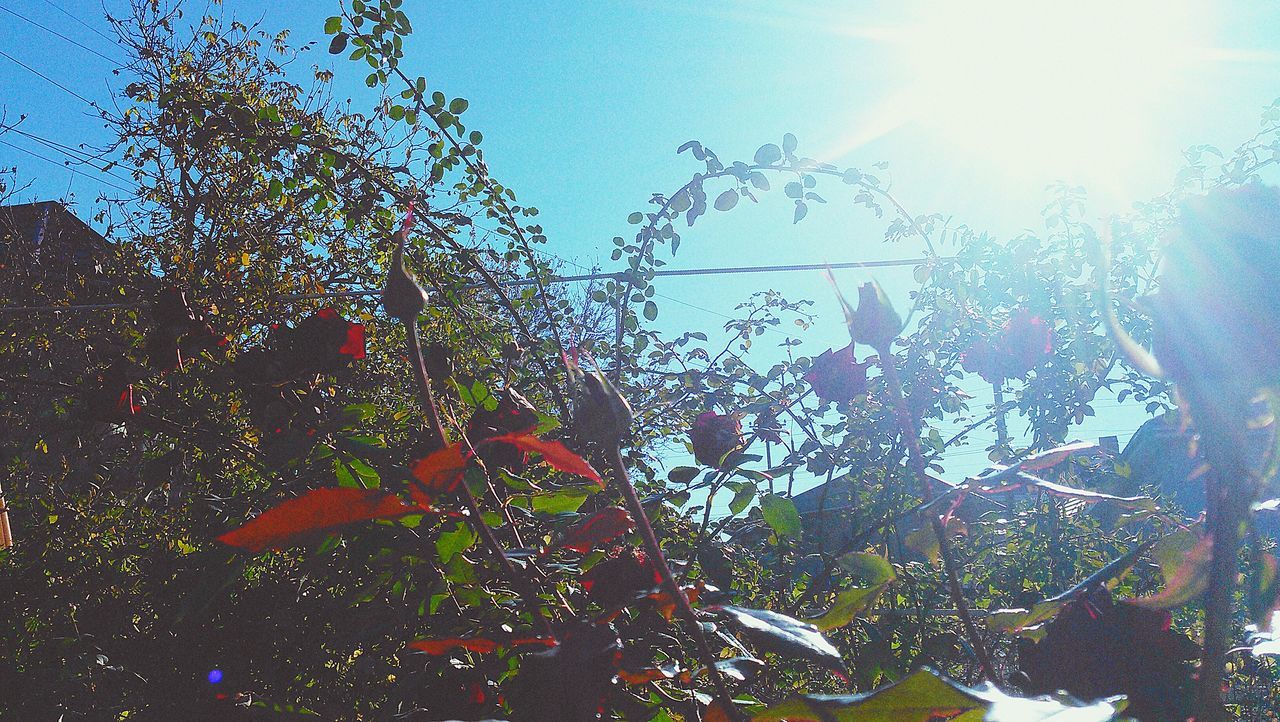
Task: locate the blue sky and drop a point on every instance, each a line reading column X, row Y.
column 583, row 105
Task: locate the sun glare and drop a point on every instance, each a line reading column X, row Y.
column 1060, row 88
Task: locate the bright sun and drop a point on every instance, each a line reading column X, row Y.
column 1036, row 87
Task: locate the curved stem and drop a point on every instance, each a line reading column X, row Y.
column 669, row 585
column 527, row 594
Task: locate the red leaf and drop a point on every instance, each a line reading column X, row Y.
column 478, row 645
column 553, row 452
column 319, row 510
column 602, row 526
column 441, row 646
column 438, row 473
column 354, row 346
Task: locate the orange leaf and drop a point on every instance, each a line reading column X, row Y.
column 475, row 644
column 553, row 452
column 666, row 606
column 602, row 526
column 715, row 713
column 438, row 473
column 319, row 510
column 440, row 646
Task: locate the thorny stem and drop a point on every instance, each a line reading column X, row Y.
column 1229, row 491
column 474, row 517
column 917, row 466
column 669, row 584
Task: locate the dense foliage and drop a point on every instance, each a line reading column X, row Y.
column 258, row 488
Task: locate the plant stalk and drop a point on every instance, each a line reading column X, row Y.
column 669, row 584
column 916, row 464
column 527, row 594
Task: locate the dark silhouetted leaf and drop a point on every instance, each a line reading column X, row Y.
column 338, row 43
column 727, row 200
column 768, row 154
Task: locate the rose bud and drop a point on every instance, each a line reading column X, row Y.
column 600, row 413
column 837, row 375
column 1217, row 313
column 402, row 297
column 875, row 323
column 439, row 361
column 715, row 436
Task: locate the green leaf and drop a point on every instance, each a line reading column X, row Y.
column 458, row 106
column 768, row 154
column 650, row 310
column 871, row 569
column 789, row 143
column 741, row 500
column 727, row 200
column 332, row 25
column 848, row 605
column 1184, row 559
column 780, row 514
column 569, row 498
column 921, row 696
column 635, row 217
column 781, row 634
column 452, row 542
column 683, row 474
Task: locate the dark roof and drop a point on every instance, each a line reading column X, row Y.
column 1161, row 454
column 31, row 222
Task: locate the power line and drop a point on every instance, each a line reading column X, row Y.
column 66, row 166
column 510, row 283
column 47, row 29
column 71, row 15
column 74, row 154
column 47, row 79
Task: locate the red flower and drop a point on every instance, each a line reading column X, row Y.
column 112, row 397
column 1096, row 648
column 623, row 575
column 715, row 436
column 837, row 375
column 325, row 342
column 1024, row 341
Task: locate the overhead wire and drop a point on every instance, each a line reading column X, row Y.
column 51, row 31
column 49, row 80
column 73, row 16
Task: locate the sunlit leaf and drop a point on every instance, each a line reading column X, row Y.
column 780, row 514
column 556, row 454
column 603, row 526
column 439, row 472
column 317, row 511
column 783, row 635
column 1184, row 559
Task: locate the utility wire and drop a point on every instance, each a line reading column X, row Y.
column 65, row 166
column 509, row 283
column 47, row 29
column 49, row 80
column 74, row 154
column 71, row 15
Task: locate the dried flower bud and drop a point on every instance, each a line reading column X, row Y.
column 600, row 413
column 875, row 323
column 715, row 436
column 439, row 361
column 402, row 297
